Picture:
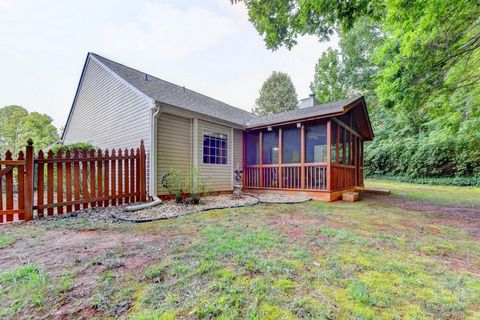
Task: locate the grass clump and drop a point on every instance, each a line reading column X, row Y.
column 21, row 288
column 6, row 240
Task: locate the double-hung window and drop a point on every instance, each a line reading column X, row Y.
column 215, row 147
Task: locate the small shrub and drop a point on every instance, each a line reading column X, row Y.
column 174, row 182
column 80, row 146
column 198, row 187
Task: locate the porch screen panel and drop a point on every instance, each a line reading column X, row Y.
column 270, row 147
column 341, row 143
column 316, row 142
column 333, row 153
column 291, row 145
column 252, row 154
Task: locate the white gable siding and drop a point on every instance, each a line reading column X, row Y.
column 107, row 112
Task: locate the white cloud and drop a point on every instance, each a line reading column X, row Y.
column 164, row 33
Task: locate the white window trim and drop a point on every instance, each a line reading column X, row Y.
column 228, row 147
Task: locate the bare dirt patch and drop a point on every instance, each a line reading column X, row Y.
column 467, row 219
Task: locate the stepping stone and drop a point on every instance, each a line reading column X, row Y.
column 350, row 196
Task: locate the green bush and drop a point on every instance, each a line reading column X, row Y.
column 80, row 146
column 174, row 182
column 440, row 181
column 177, row 184
column 422, row 157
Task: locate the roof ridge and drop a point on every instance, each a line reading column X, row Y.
column 168, row 82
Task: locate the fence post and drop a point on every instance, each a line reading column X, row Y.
column 143, row 173
column 29, row 167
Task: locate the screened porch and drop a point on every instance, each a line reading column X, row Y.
column 318, row 155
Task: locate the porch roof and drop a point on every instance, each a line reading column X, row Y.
column 325, row 110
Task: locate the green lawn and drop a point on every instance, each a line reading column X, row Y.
column 371, row 259
column 440, row 195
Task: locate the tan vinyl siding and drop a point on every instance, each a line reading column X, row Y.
column 237, row 149
column 174, row 147
column 218, row 176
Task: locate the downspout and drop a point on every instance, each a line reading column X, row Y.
column 152, row 186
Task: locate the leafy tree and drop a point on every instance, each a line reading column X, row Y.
column 329, row 80
column 417, row 63
column 276, row 95
column 352, row 70
column 17, row 125
column 281, row 22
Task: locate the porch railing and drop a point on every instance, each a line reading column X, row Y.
column 287, row 176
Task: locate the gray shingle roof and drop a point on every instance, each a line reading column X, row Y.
column 172, row 94
column 316, row 110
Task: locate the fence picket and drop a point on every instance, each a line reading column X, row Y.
column 125, row 175
column 68, row 181
column 40, row 183
column 9, row 188
column 99, row 179
column 76, row 179
column 85, row 194
column 50, row 183
column 106, row 186
column 120, row 177
column 21, row 187
column 113, row 178
column 137, row 180
column 59, row 182
column 132, row 176
column 92, row 179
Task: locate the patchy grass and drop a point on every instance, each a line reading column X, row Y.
column 6, row 240
column 372, row 259
column 440, row 195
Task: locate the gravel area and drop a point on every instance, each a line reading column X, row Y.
column 272, row 197
column 170, row 209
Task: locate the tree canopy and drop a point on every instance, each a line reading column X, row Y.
column 17, row 125
column 276, row 95
column 416, row 62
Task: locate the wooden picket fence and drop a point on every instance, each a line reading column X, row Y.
column 64, row 182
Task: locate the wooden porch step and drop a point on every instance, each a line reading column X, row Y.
column 350, row 196
column 373, row 190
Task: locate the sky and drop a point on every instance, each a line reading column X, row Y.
column 208, row 46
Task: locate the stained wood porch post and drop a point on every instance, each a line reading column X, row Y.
column 244, row 165
column 302, row 156
column 28, row 194
column 329, row 155
column 280, row 157
column 260, row 157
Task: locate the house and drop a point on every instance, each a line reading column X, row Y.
column 317, row 148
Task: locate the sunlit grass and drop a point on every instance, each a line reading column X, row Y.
column 439, row 195
column 316, row 260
